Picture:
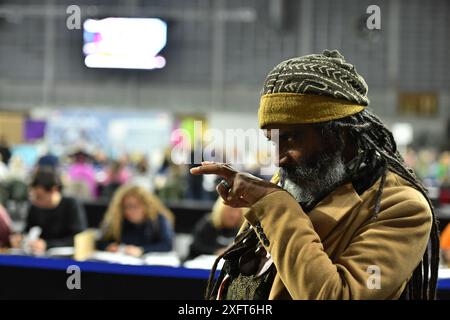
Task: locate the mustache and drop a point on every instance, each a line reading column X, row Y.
column 307, row 169
column 298, row 174
column 312, row 170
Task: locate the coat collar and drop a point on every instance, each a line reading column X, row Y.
column 333, row 208
column 329, row 211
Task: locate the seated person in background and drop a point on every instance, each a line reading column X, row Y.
column 142, row 176
column 48, row 160
column 137, row 223
column 5, row 227
column 116, row 176
column 216, row 231
column 82, row 172
column 60, row 218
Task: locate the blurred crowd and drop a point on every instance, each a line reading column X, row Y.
column 433, row 168
column 48, row 201
column 95, row 176
column 135, row 223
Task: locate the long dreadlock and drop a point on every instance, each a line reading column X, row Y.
column 369, row 133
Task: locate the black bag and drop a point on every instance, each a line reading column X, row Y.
column 241, row 277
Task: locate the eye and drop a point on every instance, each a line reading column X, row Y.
column 289, row 137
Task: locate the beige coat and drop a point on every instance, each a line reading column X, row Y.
column 333, row 252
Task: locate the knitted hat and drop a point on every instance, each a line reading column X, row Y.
column 311, row 89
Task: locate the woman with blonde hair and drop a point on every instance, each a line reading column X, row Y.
column 137, row 222
column 216, row 231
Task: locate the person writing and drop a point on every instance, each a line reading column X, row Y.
column 59, row 218
column 136, row 222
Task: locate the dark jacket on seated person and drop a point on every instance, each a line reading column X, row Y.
column 60, row 224
column 208, row 239
column 148, row 235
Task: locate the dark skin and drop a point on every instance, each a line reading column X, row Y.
column 295, row 142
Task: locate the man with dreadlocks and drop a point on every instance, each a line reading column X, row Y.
column 343, row 218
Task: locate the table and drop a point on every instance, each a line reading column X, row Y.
column 25, row 277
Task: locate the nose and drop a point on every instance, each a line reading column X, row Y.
column 283, row 159
column 289, row 157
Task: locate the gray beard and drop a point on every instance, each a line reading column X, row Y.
column 309, row 181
